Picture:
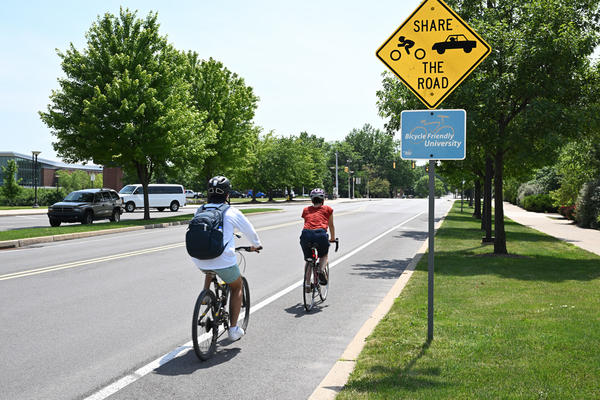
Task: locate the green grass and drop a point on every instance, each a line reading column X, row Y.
column 525, row 326
column 19, row 207
column 97, row 226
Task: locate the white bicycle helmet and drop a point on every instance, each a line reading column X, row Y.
column 317, row 193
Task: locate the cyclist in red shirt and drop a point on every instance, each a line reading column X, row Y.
column 317, row 218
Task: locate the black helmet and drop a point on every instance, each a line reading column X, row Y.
column 219, row 185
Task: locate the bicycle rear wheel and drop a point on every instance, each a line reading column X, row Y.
column 309, row 289
column 245, row 310
column 324, row 289
column 205, row 328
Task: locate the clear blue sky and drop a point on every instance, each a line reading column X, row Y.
column 312, row 63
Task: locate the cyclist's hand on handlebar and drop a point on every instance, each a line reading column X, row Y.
column 256, row 249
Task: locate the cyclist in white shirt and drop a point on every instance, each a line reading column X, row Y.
column 225, row 265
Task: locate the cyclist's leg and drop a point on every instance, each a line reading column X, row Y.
column 207, row 280
column 233, row 277
column 235, row 301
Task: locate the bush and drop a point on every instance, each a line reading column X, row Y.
column 538, row 203
column 588, row 205
column 528, row 189
column 511, row 190
column 567, row 211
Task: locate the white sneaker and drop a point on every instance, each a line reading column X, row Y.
column 235, row 333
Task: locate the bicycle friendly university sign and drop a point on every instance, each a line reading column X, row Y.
column 433, row 51
column 433, row 134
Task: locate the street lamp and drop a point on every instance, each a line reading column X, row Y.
column 34, row 157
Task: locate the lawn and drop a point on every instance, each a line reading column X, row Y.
column 525, row 326
column 19, row 207
column 49, row 231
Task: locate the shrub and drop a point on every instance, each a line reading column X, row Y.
column 528, row 189
column 567, row 211
column 539, row 203
column 588, row 205
column 511, row 190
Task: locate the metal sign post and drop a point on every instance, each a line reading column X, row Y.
column 431, row 251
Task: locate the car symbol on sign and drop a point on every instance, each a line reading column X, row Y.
column 455, row 42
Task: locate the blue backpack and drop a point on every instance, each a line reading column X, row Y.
column 204, row 237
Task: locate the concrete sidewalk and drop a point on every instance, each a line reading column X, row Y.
column 556, row 225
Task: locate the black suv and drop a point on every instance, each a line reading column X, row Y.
column 85, row 206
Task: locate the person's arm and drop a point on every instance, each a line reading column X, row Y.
column 241, row 222
column 331, row 229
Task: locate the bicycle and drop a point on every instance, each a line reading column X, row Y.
column 312, row 286
column 211, row 311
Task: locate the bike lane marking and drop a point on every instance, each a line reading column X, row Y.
column 76, row 264
column 146, row 369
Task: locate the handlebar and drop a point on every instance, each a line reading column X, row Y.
column 249, row 248
column 337, row 243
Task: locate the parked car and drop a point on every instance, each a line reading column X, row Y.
column 190, row 194
column 86, row 206
column 160, row 196
column 234, row 194
column 258, row 194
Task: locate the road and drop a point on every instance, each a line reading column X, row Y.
column 106, row 307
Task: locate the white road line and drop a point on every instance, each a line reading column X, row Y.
column 146, row 369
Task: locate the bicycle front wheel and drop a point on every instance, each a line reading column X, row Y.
column 245, row 310
column 324, row 289
column 205, row 328
column 309, row 289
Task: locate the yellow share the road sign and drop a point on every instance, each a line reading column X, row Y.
column 433, row 51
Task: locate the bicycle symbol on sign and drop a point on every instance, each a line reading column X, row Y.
column 438, row 127
column 407, row 44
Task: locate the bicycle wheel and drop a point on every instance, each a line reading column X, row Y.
column 245, row 310
column 309, row 289
column 324, row 289
column 204, row 326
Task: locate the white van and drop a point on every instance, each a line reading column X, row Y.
column 160, row 196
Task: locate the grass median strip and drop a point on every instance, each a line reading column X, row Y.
column 76, row 228
column 523, row 326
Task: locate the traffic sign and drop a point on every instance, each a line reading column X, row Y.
column 433, row 134
column 433, row 51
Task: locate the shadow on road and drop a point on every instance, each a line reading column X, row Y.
column 188, row 363
column 381, row 269
column 299, row 311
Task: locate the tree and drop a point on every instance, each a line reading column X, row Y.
column 124, row 100
column 10, row 189
column 229, row 105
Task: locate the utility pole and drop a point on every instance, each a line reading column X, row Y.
column 337, row 187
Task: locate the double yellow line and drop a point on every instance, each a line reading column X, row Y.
column 76, row 264
column 86, row 262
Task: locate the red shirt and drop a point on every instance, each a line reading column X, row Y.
column 316, row 217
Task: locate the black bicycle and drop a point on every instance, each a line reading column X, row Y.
column 211, row 311
column 313, row 288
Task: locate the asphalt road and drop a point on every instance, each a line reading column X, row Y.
column 106, row 307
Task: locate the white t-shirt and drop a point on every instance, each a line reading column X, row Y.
column 232, row 218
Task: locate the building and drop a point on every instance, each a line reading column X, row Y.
column 46, row 169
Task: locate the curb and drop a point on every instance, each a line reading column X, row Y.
column 338, row 376
column 11, row 244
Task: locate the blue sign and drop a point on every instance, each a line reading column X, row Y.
column 433, row 134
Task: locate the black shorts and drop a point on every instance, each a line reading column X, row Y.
column 317, row 236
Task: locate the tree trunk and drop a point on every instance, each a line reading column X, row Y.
column 500, row 241
column 144, row 178
column 477, row 211
column 486, row 221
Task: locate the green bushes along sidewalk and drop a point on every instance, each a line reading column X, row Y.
column 524, row 326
